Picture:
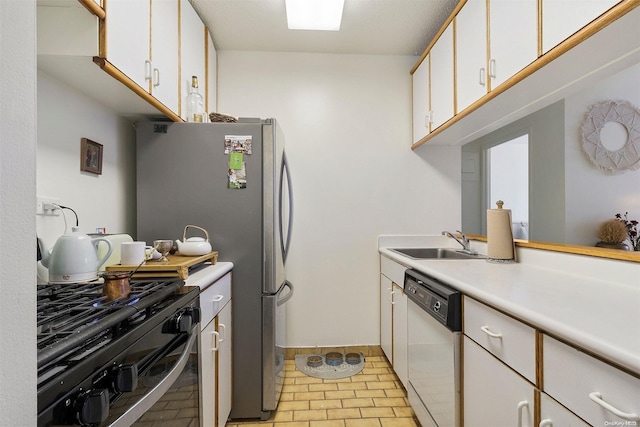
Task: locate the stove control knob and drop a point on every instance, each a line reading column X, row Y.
column 436, row 306
column 125, row 378
column 93, row 406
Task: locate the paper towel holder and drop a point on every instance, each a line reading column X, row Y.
column 503, row 251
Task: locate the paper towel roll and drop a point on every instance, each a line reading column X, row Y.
column 500, row 245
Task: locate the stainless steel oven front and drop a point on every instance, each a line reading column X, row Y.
column 144, row 369
column 434, row 324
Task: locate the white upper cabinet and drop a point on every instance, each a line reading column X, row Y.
column 421, row 119
column 442, row 77
column 212, row 66
column 127, row 39
column 471, row 53
column 192, row 48
column 562, row 18
column 164, row 52
column 513, row 44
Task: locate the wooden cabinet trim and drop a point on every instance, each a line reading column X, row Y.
column 632, row 256
column 94, row 8
column 125, row 80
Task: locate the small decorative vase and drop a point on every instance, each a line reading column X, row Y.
column 622, row 246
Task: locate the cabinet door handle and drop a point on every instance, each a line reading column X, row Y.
column 483, row 77
column 147, row 70
column 223, row 329
column 156, row 77
column 487, row 331
column 492, row 68
column 597, row 397
column 546, row 423
column 521, row 406
column 427, row 120
column 218, row 298
column 216, row 339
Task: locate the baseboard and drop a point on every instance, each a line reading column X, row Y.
column 367, row 350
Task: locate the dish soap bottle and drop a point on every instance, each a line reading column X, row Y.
column 195, row 103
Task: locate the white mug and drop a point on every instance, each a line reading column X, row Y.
column 132, row 253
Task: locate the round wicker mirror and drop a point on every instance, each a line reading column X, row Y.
column 611, row 136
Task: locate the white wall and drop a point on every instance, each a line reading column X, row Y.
column 108, row 200
column 592, row 195
column 17, row 208
column 347, row 122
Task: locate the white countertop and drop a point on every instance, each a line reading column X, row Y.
column 600, row 316
column 208, row 275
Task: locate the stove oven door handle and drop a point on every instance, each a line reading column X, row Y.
column 148, row 400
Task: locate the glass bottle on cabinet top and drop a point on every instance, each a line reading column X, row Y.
column 195, row 103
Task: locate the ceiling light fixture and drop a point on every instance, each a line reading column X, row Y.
column 323, row 15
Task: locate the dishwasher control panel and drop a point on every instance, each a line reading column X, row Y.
column 441, row 301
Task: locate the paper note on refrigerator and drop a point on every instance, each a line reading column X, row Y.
column 235, row 160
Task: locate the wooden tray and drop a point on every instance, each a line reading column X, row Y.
column 177, row 266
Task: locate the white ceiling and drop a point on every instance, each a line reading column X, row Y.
column 385, row 27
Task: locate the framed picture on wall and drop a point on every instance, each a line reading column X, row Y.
column 90, row 156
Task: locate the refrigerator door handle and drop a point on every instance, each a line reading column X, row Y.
column 289, row 294
column 284, row 172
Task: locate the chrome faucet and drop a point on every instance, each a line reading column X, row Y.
column 466, row 246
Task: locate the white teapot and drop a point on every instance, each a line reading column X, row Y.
column 194, row 246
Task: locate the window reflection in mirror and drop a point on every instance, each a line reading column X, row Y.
column 569, row 197
column 541, row 166
column 508, row 173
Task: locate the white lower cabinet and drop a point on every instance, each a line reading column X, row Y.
column 508, row 339
column 399, row 314
column 596, row 391
column 386, row 322
column 393, row 316
column 494, row 394
column 552, row 414
column 224, row 329
column 216, row 352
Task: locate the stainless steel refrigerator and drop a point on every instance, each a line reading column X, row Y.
column 233, row 180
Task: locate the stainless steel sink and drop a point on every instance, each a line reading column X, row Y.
column 436, row 253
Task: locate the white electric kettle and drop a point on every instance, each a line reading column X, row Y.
column 74, row 258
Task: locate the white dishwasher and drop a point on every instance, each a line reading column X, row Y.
column 434, row 325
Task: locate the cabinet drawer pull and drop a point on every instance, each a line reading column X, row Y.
column 546, row 423
column 147, row 70
column 487, row 331
column 492, row 68
column 216, row 339
column 597, row 397
column 156, row 77
column 217, row 298
column 223, row 331
column 521, row 406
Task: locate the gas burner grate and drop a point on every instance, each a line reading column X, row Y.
column 76, row 319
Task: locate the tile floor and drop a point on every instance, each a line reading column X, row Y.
column 373, row 398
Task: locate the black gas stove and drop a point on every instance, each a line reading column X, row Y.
column 94, row 354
